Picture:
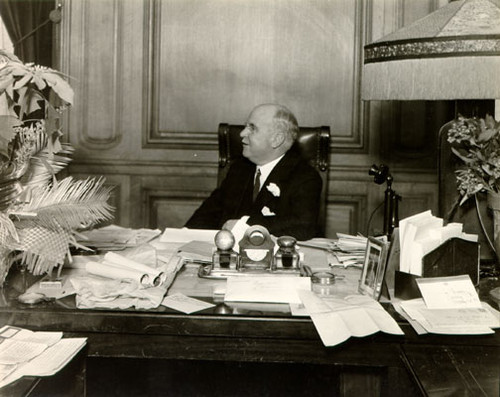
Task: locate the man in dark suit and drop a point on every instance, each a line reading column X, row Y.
column 286, row 188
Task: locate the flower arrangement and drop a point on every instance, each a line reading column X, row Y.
column 39, row 214
column 476, row 142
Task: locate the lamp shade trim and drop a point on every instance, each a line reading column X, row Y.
column 436, row 47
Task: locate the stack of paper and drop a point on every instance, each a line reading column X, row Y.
column 420, row 234
column 112, row 237
column 350, row 250
column 28, row 353
column 450, row 305
column 184, row 235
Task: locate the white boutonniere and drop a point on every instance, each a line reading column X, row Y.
column 274, row 189
column 267, row 212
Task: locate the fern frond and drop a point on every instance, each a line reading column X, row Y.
column 71, row 203
column 71, row 216
column 7, row 229
column 42, row 249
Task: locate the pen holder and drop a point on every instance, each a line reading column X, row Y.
column 452, row 258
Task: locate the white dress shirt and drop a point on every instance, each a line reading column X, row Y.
column 266, row 169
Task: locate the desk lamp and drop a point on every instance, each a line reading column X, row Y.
column 450, row 54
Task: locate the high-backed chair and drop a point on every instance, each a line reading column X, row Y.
column 313, row 144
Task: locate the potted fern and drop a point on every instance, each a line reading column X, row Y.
column 39, row 214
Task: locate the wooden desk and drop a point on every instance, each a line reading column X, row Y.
column 279, row 353
column 455, row 370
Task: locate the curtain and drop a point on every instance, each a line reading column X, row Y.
column 23, row 16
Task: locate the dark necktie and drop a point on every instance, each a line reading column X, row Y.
column 256, row 185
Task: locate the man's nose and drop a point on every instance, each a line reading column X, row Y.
column 244, row 132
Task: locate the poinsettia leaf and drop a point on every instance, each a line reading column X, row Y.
column 54, row 143
column 5, row 82
column 9, row 90
column 19, row 69
column 39, row 82
column 21, row 99
column 33, row 104
column 7, row 133
column 6, row 108
column 22, row 81
column 52, row 120
column 60, row 86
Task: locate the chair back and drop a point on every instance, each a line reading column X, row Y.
column 312, row 142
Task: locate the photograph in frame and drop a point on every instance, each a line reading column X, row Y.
column 374, row 268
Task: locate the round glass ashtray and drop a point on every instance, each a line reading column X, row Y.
column 323, row 283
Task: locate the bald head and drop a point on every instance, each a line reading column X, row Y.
column 269, row 133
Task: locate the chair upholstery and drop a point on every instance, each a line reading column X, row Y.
column 313, row 144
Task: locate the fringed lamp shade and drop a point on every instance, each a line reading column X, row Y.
column 452, row 53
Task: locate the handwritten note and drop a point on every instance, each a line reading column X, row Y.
column 455, row 292
column 184, row 303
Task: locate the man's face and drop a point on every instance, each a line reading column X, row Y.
column 257, row 135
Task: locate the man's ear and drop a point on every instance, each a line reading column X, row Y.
column 278, row 139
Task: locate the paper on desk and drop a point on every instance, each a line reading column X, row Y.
column 113, row 236
column 454, row 292
column 185, row 235
column 128, row 263
column 185, row 303
column 111, row 271
column 21, row 345
column 197, row 251
column 339, row 319
column 466, row 321
column 271, row 289
column 47, row 363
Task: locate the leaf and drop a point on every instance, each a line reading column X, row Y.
column 7, row 229
column 60, row 86
column 7, row 133
column 22, row 82
column 5, row 82
column 460, row 156
column 31, row 102
column 5, row 106
column 19, row 69
column 54, row 143
column 71, row 204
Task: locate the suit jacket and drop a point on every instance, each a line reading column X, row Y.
column 287, row 204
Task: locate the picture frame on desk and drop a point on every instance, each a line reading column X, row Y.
column 374, row 266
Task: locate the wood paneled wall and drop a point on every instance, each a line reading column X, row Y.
column 153, row 78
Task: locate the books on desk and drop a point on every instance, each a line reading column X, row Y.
column 27, row 353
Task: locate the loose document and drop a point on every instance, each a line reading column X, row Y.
column 336, row 320
column 450, row 305
column 27, row 353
